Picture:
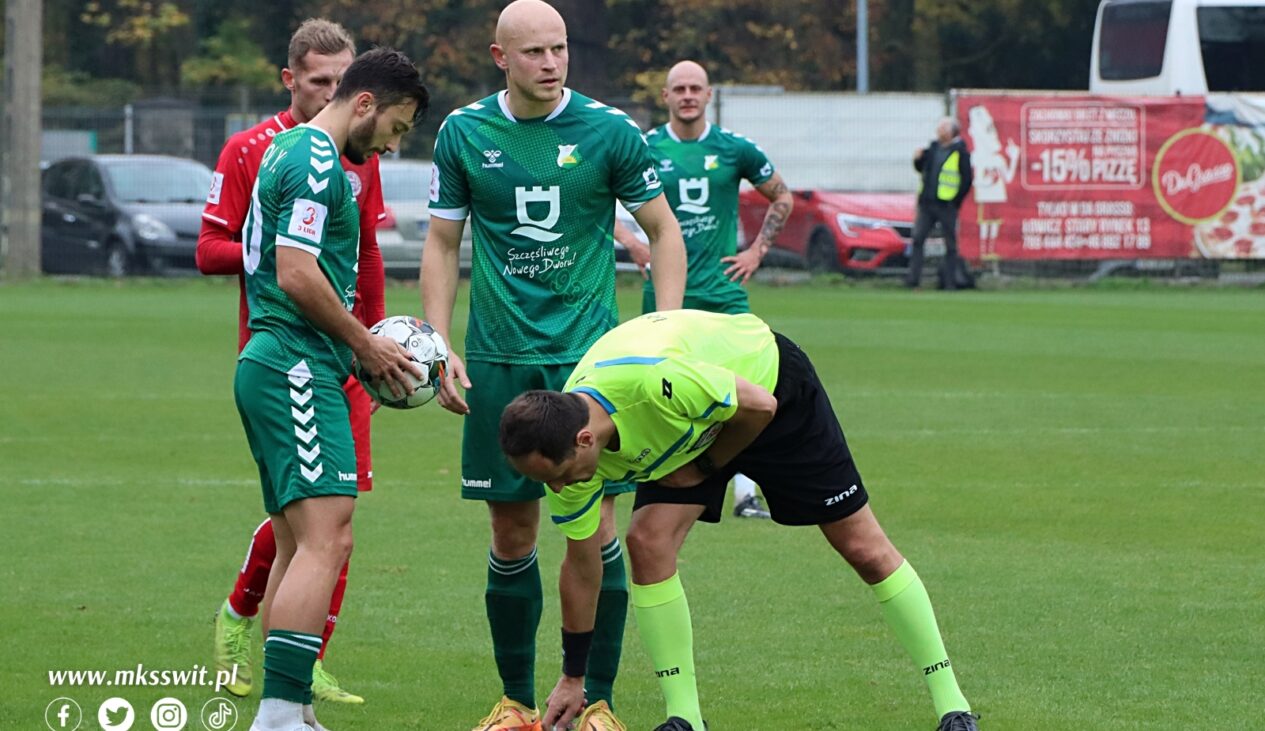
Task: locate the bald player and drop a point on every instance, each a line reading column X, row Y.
column 701, row 166
column 538, row 168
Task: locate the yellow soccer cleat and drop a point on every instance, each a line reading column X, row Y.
column 325, row 687
column 232, row 647
column 508, row 715
column 599, row 717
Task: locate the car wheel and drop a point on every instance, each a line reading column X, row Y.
column 117, row 262
column 822, row 256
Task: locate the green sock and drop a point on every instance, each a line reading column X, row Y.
column 288, row 660
column 514, row 602
column 907, row 609
column 608, row 631
column 663, row 619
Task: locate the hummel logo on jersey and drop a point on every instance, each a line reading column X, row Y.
column 710, row 162
column 842, row 496
column 667, row 388
column 566, row 156
column 492, row 156
column 537, row 229
column 665, row 165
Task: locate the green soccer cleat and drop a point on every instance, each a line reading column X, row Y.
column 325, row 687
column 232, row 648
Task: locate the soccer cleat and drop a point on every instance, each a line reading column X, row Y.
column 676, row 723
column 508, row 715
column 958, row 721
column 751, row 507
column 232, row 647
column 598, row 717
column 325, row 687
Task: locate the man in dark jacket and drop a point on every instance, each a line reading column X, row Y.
column 945, row 166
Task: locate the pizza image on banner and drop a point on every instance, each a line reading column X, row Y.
column 1238, row 231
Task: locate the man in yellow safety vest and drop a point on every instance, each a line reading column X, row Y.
column 945, row 166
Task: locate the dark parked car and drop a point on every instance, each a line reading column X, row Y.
column 122, row 214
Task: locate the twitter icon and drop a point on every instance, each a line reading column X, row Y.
column 116, row 714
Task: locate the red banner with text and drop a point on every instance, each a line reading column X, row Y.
column 1071, row 177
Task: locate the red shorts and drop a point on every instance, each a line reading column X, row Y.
column 361, row 406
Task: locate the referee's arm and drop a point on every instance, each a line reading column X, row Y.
column 756, row 408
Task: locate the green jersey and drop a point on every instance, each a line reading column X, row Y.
column 701, row 178
column 540, row 194
column 301, row 199
column 668, row 381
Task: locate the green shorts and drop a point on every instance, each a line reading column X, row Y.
column 299, row 432
column 485, row 473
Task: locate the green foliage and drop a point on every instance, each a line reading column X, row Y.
column 133, row 22
column 61, row 87
column 1075, row 475
column 231, row 58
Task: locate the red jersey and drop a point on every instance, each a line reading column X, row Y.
column 220, row 240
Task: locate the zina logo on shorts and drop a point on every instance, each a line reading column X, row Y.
column 536, row 229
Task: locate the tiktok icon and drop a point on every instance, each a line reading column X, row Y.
column 219, row 714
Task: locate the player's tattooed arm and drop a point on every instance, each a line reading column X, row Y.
column 744, row 264
column 780, row 204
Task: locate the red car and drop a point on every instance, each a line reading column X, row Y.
column 848, row 232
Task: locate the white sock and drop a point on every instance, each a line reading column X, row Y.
column 744, row 487
column 309, row 717
column 275, row 713
column 228, row 608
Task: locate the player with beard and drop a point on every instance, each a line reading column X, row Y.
column 319, row 52
column 301, row 247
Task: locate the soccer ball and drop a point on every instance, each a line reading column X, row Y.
column 425, row 346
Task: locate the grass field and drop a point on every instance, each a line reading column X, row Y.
column 1077, row 475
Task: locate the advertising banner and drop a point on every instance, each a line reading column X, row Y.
column 1090, row 177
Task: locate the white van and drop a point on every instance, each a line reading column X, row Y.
column 1170, row 47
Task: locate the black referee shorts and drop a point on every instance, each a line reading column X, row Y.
column 801, row 460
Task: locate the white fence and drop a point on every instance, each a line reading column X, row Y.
column 834, row 140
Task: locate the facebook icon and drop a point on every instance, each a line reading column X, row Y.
column 63, row 714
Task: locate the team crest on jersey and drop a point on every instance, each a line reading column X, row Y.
column 356, row 185
column 492, row 156
column 710, row 162
column 567, row 157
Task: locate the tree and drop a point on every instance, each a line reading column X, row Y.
column 231, row 58
column 147, row 29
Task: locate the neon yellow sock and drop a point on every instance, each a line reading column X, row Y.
column 907, row 609
column 663, row 618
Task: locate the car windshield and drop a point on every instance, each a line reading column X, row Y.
column 405, row 182
column 159, row 181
